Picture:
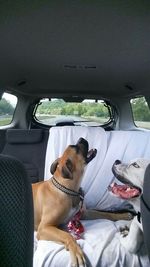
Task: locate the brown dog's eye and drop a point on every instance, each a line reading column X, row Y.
column 134, row 164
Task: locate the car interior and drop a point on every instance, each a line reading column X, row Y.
column 72, row 69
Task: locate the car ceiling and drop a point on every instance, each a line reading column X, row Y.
column 75, row 47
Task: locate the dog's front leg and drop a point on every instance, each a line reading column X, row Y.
column 133, row 239
column 89, row 214
column 52, row 233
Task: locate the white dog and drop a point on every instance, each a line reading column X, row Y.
column 132, row 177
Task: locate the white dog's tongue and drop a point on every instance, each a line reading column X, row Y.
column 124, row 191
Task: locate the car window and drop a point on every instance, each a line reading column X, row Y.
column 7, row 107
column 58, row 112
column 141, row 112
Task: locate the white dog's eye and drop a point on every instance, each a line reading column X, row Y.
column 135, row 165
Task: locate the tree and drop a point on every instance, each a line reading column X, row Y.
column 140, row 109
column 6, row 107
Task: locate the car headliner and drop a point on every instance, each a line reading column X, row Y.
column 75, row 47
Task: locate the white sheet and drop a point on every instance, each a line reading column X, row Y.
column 125, row 146
column 98, row 169
column 61, row 137
column 101, row 246
column 101, row 243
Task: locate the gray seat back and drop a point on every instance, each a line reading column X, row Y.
column 29, row 146
column 145, row 209
column 16, row 214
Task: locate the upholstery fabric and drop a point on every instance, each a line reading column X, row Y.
column 16, row 214
column 21, row 136
column 29, row 146
column 145, row 209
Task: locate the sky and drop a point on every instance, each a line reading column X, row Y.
column 11, row 98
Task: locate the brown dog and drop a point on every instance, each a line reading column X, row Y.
column 58, row 199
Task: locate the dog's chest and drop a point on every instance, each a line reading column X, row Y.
column 71, row 213
column 136, row 204
column 76, row 206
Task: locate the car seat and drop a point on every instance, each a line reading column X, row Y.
column 145, row 209
column 16, row 214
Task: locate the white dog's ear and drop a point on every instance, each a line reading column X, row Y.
column 54, row 166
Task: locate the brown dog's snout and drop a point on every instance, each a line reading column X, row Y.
column 83, row 146
column 82, row 141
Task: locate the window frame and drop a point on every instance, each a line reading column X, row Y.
column 108, row 123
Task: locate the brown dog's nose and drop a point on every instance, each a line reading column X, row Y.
column 83, row 141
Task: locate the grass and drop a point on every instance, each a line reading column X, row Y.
column 143, row 124
column 5, row 121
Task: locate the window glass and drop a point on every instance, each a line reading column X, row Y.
column 141, row 112
column 7, row 106
column 57, row 111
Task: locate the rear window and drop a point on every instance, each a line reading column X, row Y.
column 7, row 107
column 141, row 112
column 58, row 112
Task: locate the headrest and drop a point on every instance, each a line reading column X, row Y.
column 21, row 136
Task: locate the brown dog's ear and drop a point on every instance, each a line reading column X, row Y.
column 67, row 169
column 54, row 166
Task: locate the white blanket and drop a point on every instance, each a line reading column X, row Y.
column 96, row 170
column 100, row 242
column 61, row 137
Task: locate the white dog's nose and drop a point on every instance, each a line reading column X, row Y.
column 117, row 162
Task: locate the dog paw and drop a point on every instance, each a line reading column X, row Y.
column 128, row 216
column 124, row 231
